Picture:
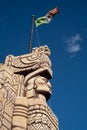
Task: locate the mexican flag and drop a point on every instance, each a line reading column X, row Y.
column 47, row 18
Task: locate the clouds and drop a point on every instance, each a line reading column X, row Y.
column 73, row 44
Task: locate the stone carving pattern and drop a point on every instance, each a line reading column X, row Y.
column 10, row 84
column 40, row 117
column 26, row 78
column 39, row 114
column 30, row 62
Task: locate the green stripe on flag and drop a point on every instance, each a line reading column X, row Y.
column 40, row 21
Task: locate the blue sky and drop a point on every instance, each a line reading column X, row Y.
column 66, row 37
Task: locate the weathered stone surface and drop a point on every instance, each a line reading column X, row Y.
column 24, row 90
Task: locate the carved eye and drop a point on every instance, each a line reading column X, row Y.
column 46, row 80
column 40, row 49
column 41, row 80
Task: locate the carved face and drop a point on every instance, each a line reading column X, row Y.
column 43, row 86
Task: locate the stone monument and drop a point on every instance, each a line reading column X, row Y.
column 24, row 90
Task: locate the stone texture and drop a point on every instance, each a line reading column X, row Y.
column 24, row 90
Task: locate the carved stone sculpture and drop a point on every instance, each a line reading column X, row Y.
column 24, row 90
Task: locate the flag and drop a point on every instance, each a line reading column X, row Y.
column 47, row 18
column 54, row 11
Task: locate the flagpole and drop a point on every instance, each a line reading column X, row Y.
column 31, row 34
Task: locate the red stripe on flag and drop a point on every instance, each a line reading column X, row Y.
column 54, row 11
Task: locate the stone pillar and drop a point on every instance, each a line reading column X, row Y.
column 25, row 90
column 20, row 114
column 40, row 116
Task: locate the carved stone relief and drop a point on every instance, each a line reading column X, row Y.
column 24, row 90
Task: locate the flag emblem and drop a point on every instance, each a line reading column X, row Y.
column 47, row 18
